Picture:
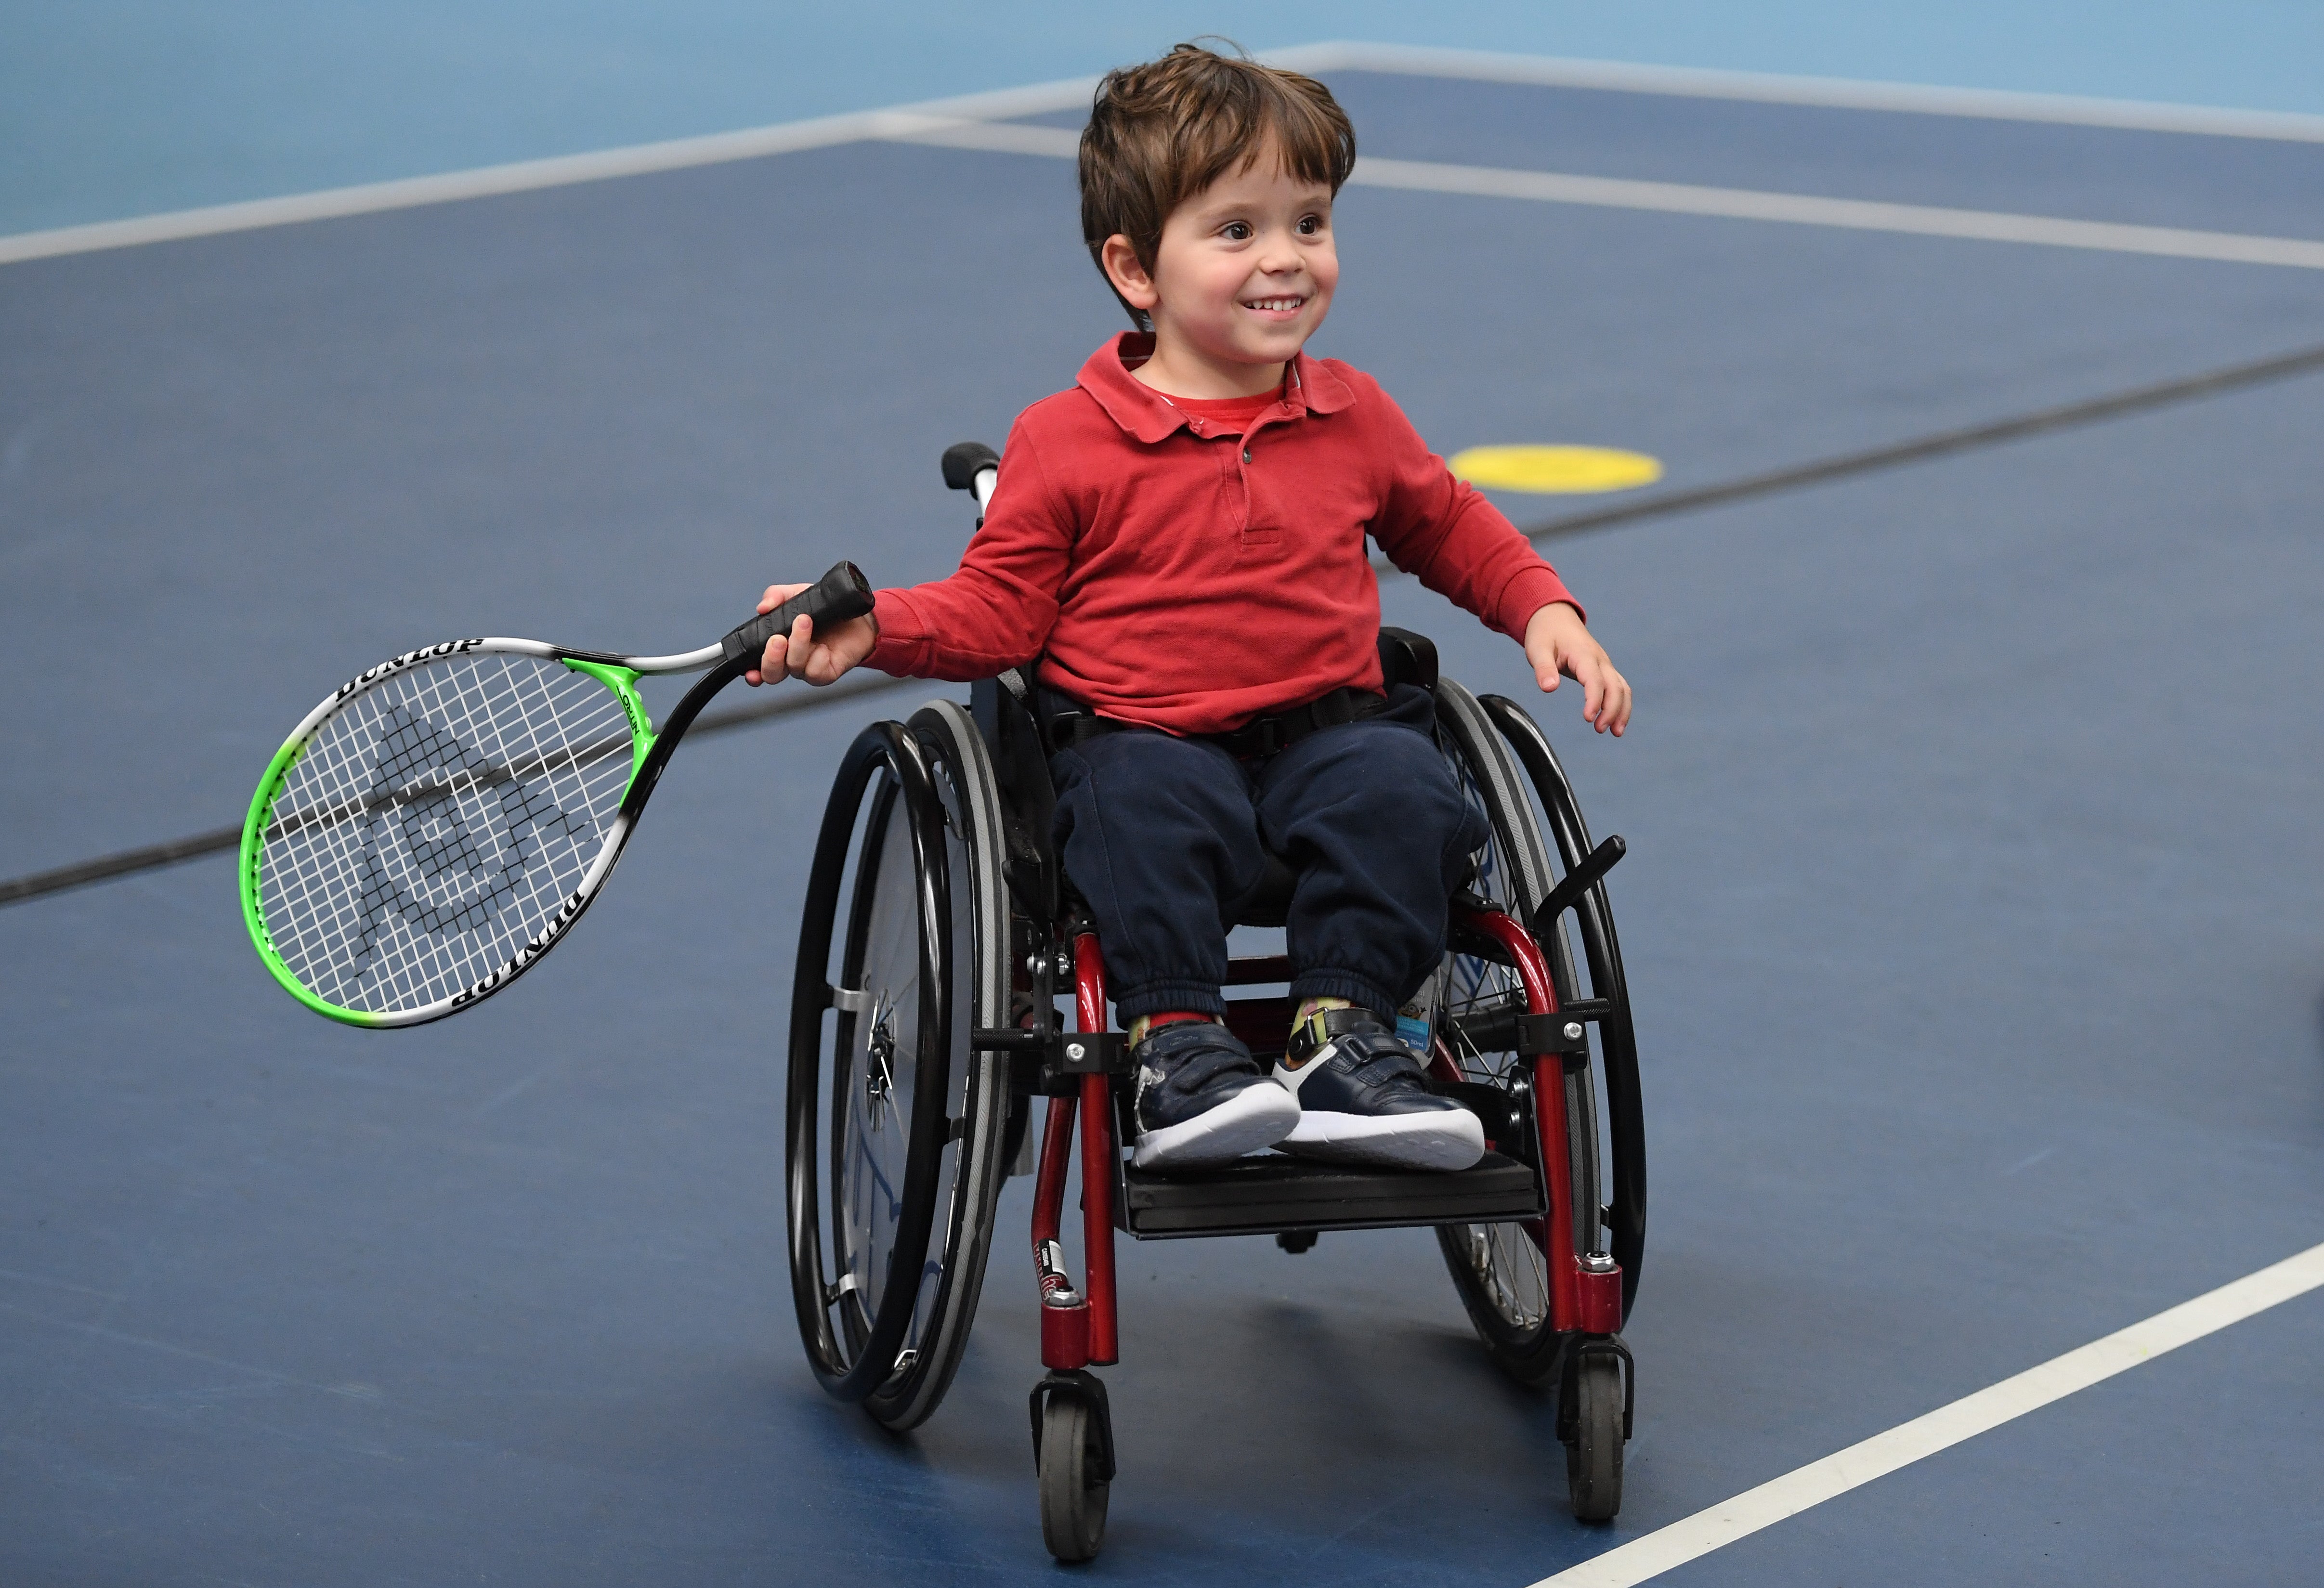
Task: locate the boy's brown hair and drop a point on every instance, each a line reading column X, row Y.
column 1161, row 133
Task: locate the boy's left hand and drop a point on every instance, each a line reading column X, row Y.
column 1558, row 642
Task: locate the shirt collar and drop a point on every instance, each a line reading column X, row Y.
column 1148, row 415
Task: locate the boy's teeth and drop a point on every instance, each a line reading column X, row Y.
column 1278, row 303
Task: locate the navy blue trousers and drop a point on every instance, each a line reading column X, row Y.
column 1165, row 838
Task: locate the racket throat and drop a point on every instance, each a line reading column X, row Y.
column 654, row 752
column 624, row 683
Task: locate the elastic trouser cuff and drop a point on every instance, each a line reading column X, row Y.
column 1163, row 997
column 1357, row 989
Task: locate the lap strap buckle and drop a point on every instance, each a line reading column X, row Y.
column 1271, row 736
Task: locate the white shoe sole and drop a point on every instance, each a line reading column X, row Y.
column 1451, row 1139
column 1256, row 1116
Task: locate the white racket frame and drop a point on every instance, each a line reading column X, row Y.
column 607, row 669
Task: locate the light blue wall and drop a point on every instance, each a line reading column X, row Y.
column 113, row 107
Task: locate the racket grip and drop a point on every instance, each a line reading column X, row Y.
column 840, row 594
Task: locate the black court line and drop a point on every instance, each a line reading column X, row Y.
column 1943, row 443
column 154, row 857
column 2090, row 410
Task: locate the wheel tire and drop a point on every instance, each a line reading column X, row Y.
column 961, row 1239
column 895, row 1127
column 1593, row 1448
column 1073, row 1499
column 1624, row 1170
column 1498, row 1270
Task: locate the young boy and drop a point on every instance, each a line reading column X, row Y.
column 1179, row 542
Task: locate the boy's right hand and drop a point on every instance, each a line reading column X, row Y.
column 819, row 657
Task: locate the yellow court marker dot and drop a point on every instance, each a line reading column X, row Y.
column 1555, row 470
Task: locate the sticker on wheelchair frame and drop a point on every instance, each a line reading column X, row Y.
column 1555, row 470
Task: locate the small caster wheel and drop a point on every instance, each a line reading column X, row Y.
column 1072, row 1453
column 1593, row 1438
column 1296, row 1241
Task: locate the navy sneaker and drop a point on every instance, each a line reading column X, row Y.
column 1362, row 1100
column 1201, row 1099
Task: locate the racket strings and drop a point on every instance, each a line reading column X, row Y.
column 437, row 824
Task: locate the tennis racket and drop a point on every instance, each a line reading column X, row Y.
column 439, row 824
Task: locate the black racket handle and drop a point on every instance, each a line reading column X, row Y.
column 841, row 594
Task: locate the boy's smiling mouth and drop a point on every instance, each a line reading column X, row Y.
column 1289, row 305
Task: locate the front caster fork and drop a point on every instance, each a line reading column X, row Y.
column 1072, row 1425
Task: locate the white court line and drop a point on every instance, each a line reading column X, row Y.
column 1854, row 214
column 1811, row 1485
column 530, row 175
column 1922, row 220
column 1551, row 71
column 825, row 131
column 997, row 137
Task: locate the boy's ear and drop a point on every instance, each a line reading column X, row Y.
column 1130, row 280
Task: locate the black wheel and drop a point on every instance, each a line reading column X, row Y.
column 894, row 1127
column 1593, row 1438
column 1499, row 1270
column 1075, row 1462
column 1622, row 1151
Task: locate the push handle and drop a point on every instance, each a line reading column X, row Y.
column 965, row 460
column 841, row 594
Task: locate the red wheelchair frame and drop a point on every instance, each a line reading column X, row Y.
column 1082, row 1329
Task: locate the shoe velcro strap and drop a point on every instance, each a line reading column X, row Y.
column 1368, row 1051
column 1348, row 1022
column 1334, row 1024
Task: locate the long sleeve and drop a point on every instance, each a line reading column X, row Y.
column 1442, row 531
column 997, row 611
column 1170, row 572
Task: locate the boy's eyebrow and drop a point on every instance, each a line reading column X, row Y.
column 1319, row 196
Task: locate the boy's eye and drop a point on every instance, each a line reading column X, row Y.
column 1237, row 231
column 1309, row 225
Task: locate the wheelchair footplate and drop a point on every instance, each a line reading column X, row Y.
column 1273, row 1192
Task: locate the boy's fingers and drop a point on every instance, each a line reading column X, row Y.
column 1605, row 692
column 798, row 648
column 777, row 595
column 1617, row 705
column 772, row 659
column 830, row 658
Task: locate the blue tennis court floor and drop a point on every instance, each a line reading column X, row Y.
column 1972, row 908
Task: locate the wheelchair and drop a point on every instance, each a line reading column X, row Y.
column 937, row 936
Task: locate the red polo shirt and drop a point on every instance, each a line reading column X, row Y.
column 1190, row 572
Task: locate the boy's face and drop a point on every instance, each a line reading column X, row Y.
column 1244, row 273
